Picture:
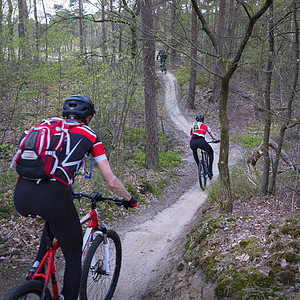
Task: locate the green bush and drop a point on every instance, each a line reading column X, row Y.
column 166, row 158
column 247, row 141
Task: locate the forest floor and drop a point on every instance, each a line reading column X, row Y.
column 153, row 239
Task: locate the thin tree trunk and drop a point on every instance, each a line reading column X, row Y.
column 267, row 106
column 220, row 50
column 173, row 40
column 11, row 52
column 36, row 31
column 152, row 157
column 193, row 77
column 46, row 37
column 287, row 119
column 81, row 37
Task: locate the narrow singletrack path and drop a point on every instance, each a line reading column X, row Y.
column 149, row 246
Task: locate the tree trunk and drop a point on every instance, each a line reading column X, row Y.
column 293, row 92
column 81, row 34
column 193, row 77
column 173, row 40
column 220, row 40
column 11, row 52
column 226, row 197
column 23, row 18
column 267, row 107
column 36, row 31
column 46, row 36
column 152, row 157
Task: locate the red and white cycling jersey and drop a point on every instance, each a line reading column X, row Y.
column 199, row 130
column 83, row 141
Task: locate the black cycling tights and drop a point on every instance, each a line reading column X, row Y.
column 202, row 144
column 53, row 202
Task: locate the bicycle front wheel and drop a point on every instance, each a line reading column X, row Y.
column 202, row 175
column 97, row 282
column 29, row 290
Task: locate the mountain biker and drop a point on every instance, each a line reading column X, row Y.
column 163, row 56
column 53, row 201
column 197, row 133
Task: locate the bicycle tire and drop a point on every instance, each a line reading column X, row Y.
column 202, row 175
column 95, row 285
column 29, row 290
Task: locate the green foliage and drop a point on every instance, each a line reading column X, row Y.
column 134, row 135
column 6, row 151
column 247, row 141
column 166, row 158
column 8, row 179
column 183, row 75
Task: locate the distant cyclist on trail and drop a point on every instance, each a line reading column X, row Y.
column 163, row 56
column 197, row 133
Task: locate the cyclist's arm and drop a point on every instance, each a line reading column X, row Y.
column 213, row 136
column 113, row 183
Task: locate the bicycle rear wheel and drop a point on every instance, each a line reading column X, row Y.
column 95, row 283
column 202, row 175
column 29, row 290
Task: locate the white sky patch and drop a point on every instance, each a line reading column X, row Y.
column 88, row 8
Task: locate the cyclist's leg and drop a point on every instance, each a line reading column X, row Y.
column 68, row 232
column 53, row 202
column 194, row 144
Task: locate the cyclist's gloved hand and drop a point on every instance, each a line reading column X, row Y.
column 217, row 141
column 131, row 203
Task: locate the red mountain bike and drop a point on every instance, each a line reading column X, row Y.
column 101, row 256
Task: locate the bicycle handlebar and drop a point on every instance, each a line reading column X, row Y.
column 214, row 142
column 95, row 196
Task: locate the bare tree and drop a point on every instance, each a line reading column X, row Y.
column 267, row 105
column 152, row 157
column 193, row 77
column 36, row 30
column 287, row 122
column 228, row 69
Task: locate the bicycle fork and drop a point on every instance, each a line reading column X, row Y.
column 105, row 268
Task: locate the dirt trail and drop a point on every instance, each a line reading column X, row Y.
column 150, row 245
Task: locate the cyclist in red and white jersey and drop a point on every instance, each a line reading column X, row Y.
column 198, row 131
column 53, row 201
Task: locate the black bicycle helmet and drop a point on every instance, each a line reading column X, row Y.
column 200, row 118
column 79, row 106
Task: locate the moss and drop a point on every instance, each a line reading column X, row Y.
column 296, row 234
column 295, row 245
column 277, row 246
column 287, row 277
column 243, row 283
column 151, row 189
column 250, row 246
column 291, row 257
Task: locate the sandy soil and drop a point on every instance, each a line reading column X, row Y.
column 155, row 239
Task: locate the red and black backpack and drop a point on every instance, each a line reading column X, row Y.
column 36, row 157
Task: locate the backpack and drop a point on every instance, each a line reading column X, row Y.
column 36, row 157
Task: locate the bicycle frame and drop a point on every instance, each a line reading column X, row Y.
column 92, row 229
